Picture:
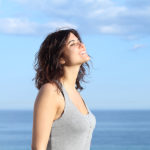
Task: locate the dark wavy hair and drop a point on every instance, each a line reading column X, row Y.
column 47, row 65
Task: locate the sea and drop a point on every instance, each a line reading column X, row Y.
column 115, row 130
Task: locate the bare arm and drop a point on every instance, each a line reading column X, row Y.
column 45, row 108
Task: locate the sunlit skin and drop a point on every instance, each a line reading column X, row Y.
column 49, row 105
column 75, row 59
column 74, row 50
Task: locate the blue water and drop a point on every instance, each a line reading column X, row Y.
column 115, row 130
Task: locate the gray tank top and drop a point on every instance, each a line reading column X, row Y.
column 72, row 130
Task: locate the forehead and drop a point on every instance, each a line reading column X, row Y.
column 71, row 36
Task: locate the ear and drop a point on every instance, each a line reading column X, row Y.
column 62, row 61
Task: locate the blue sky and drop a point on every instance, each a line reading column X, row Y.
column 116, row 35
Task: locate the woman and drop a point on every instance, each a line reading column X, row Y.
column 61, row 119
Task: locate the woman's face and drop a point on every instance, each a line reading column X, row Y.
column 75, row 51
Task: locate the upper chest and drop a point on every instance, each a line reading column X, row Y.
column 76, row 99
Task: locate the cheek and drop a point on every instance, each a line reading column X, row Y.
column 72, row 58
column 72, row 53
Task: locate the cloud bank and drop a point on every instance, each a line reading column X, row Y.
column 25, row 27
column 129, row 19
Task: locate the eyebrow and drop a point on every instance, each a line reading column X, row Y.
column 72, row 40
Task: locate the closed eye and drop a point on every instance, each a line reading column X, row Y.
column 77, row 43
column 72, row 44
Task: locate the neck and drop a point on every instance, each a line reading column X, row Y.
column 70, row 76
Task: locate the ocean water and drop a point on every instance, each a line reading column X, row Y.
column 115, row 130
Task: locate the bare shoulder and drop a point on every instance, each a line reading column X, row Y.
column 48, row 88
column 45, row 110
column 48, row 95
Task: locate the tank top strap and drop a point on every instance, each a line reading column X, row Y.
column 69, row 102
column 65, row 94
column 66, row 98
column 62, row 89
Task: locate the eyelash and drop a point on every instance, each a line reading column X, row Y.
column 74, row 44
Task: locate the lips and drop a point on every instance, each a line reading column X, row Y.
column 83, row 52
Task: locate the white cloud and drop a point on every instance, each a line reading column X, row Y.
column 109, row 12
column 24, row 27
column 110, row 29
column 59, row 24
column 107, row 29
column 17, row 26
column 138, row 46
column 103, row 16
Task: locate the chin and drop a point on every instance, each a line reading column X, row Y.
column 86, row 60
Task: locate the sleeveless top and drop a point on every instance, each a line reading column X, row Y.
column 72, row 130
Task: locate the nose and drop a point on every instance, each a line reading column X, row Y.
column 81, row 44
